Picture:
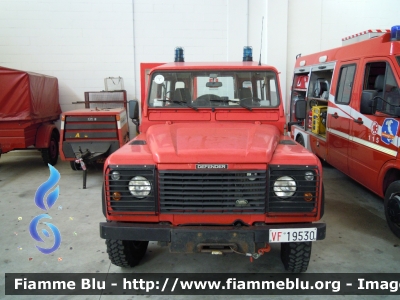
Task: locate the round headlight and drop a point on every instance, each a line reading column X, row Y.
column 309, row 176
column 139, row 187
column 284, row 187
column 115, row 175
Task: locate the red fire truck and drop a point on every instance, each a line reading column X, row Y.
column 29, row 106
column 211, row 169
column 345, row 109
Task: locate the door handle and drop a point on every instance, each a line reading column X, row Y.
column 358, row 121
column 335, row 115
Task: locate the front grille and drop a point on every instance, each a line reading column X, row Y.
column 306, row 194
column 212, row 191
column 127, row 202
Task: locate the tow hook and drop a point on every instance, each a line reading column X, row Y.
column 253, row 256
column 260, row 252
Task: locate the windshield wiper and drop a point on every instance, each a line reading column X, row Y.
column 190, row 106
column 245, row 106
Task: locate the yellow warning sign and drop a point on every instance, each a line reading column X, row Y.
column 77, row 135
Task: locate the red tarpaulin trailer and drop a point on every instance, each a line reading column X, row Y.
column 29, row 105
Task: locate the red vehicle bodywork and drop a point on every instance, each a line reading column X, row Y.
column 355, row 140
column 188, row 142
column 29, row 107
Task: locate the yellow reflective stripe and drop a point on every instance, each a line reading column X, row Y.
column 364, row 142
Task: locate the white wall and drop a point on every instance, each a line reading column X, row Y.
column 276, row 37
column 83, row 41
column 316, row 25
column 79, row 42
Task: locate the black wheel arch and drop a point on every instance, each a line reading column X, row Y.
column 391, row 175
column 392, row 207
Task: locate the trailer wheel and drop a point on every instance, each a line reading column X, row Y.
column 300, row 140
column 126, row 253
column 75, row 166
column 296, row 256
column 392, row 207
column 50, row 154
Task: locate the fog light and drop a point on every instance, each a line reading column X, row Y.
column 309, row 176
column 115, row 175
column 117, row 196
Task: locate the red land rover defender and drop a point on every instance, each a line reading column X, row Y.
column 211, row 169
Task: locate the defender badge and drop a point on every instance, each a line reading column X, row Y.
column 211, row 166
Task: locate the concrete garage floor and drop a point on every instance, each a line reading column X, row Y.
column 358, row 239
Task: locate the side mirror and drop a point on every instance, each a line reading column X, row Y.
column 133, row 107
column 368, row 104
column 300, row 109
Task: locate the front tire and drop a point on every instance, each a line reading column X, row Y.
column 392, row 207
column 296, row 256
column 126, row 254
column 50, row 154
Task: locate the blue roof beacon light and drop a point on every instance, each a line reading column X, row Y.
column 179, row 54
column 395, row 33
column 247, row 53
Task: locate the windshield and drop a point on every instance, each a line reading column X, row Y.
column 205, row 89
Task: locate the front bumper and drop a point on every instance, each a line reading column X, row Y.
column 197, row 238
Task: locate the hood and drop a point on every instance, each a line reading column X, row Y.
column 212, row 142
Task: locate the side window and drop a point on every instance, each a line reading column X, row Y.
column 374, row 75
column 391, row 93
column 260, row 89
column 345, row 85
column 271, row 93
column 380, row 78
column 266, row 91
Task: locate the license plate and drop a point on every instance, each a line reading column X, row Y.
column 292, row 235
